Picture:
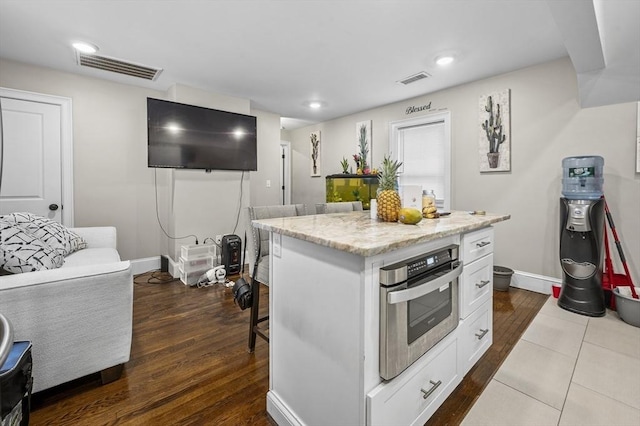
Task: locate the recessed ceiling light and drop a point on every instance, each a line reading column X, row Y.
column 315, row 104
column 444, row 60
column 84, row 47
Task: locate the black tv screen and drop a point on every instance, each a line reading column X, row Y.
column 184, row 136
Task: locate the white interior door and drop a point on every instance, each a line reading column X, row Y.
column 285, row 172
column 31, row 159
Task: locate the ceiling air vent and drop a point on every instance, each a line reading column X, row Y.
column 115, row 65
column 413, row 78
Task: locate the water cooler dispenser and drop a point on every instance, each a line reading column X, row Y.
column 581, row 236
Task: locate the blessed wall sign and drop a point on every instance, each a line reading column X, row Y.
column 412, row 109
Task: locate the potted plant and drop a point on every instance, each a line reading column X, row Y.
column 345, row 165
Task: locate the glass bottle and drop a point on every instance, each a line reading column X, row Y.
column 428, row 198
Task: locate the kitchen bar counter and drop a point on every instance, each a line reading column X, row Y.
column 357, row 233
column 324, row 316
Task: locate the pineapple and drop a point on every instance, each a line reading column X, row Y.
column 388, row 198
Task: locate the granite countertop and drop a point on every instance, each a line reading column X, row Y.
column 357, row 233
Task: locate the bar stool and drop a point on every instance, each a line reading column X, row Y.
column 259, row 260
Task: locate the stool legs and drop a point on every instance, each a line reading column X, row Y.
column 253, row 321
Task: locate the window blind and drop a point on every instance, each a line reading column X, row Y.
column 422, row 152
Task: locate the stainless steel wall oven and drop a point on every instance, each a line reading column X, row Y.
column 418, row 307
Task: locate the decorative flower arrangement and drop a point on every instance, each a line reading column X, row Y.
column 362, row 167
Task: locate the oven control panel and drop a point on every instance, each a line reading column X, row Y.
column 418, row 265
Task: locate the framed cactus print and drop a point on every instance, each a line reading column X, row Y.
column 494, row 132
column 314, row 154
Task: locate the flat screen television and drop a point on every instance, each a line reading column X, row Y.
column 184, row 136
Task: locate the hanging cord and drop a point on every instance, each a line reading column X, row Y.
column 237, row 216
column 239, row 204
column 155, row 182
column 156, row 277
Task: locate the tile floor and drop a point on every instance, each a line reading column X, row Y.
column 567, row 369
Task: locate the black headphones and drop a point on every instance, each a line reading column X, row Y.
column 242, row 294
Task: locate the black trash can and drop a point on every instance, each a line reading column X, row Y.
column 16, row 383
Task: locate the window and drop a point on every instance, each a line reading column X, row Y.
column 423, row 144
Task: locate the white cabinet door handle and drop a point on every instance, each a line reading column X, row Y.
column 482, row 333
column 482, row 283
column 434, row 386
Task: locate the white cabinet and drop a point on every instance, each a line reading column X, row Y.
column 413, row 396
column 402, row 401
column 475, row 336
column 477, row 244
column 476, row 297
column 476, row 285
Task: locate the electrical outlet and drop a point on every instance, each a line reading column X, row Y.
column 218, row 239
column 277, row 248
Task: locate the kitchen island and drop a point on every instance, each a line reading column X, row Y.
column 325, row 311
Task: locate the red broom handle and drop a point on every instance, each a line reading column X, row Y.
column 608, row 265
column 619, row 247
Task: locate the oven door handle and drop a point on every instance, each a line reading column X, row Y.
column 401, row 296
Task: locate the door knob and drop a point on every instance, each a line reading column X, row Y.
column 53, row 207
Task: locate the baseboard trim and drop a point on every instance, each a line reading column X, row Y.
column 174, row 269
column 520, row 279
column 533, row 282
column 279, row 411
column 140, row 266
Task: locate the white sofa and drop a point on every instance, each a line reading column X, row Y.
column 78, row 317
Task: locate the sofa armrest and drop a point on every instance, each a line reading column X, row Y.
column 98, row 236
column 48, row 276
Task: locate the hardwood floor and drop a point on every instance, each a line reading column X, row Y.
column 189, row 363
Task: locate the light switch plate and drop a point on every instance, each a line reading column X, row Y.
column 277, row 241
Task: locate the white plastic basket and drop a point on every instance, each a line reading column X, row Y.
column 196, row 263
column 189, row 251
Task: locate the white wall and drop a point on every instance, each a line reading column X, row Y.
column 112, row 183
column 547, row 124
column 200, row 203
column 268, row 161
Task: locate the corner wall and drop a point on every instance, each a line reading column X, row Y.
column 547, row 124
